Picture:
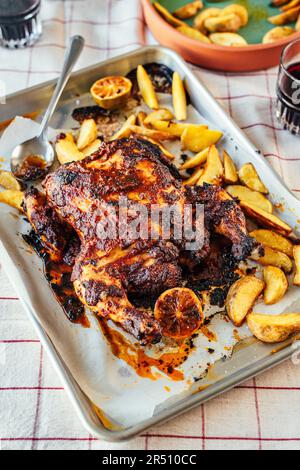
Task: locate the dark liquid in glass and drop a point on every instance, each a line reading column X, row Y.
column 288, row 103
column 20, row 25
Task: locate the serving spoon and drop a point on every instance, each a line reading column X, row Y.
column 38, row 149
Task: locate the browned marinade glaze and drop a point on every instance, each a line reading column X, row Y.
column 81, row 194
column 59, row 277
column 121, row 278
column 135, row 356
column 33, row 167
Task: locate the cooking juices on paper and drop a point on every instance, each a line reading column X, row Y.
column 288, row 88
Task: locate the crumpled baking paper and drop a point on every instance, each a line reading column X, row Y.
column 112, row 385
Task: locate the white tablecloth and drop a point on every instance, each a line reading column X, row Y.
column 34, row 409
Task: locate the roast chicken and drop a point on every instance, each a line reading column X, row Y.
column 83, row 198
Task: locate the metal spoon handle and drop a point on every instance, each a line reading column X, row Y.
column 72, row 53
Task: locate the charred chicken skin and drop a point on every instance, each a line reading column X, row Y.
column 84, row 197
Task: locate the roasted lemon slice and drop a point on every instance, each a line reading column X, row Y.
column 179, row 312
column 111, row 92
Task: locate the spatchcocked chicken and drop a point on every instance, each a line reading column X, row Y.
column 108, row 271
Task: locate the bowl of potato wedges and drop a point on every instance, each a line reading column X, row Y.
column 230, row 36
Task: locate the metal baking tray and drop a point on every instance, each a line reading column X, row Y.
column 250, row 357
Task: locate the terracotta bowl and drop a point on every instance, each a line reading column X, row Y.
column 211, row 56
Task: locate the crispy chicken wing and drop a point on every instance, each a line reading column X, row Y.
column 224, row 216
column 53, row 232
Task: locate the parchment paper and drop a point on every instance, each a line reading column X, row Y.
column 109, row 382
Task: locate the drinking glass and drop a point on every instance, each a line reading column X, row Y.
column 288, row 88
column 20, row 23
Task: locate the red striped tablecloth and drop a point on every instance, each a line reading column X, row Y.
column 35, row 412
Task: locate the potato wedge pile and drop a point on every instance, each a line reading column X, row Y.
column 162, row 124
column 221, row 25
column 211, row 25
column 212, row 165
column 159, row 125
column 289, row 12
column 69, row 150
column 281, row 258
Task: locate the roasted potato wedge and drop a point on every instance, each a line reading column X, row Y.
column 177, row 128
column 141, row 116
column 289, row 5
column 167, row 15
column 179, row 97
column 273, row 328
column 8, row 181
column 230, row 171
column 154, row 134
column 296, row 252
column 273, row 240
column 125, row 129
column 196, row 140
column 276, row 285
column 238, row 10
column 242, row 296
column 68, row 136
column 278, row 3
column 213, row 171
column 193, row 33
column 249, row 177
column 265, row 219
column 164, row 150
column 197, row 160
column 194, row 177
column 189, row 10
column 279, row 32
column 13, row 198
column 67, row 151
column 87, row 134
column 274, row 258
column 203, row 16
column 228, row 39
column 285, row 17
column 297, row 26
column 146, row 88
column 93, row 147
column 253, row 197
column 162, row 114
column 223, row 24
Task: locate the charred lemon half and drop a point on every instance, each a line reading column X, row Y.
column 111, row 92
column 179, row 312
